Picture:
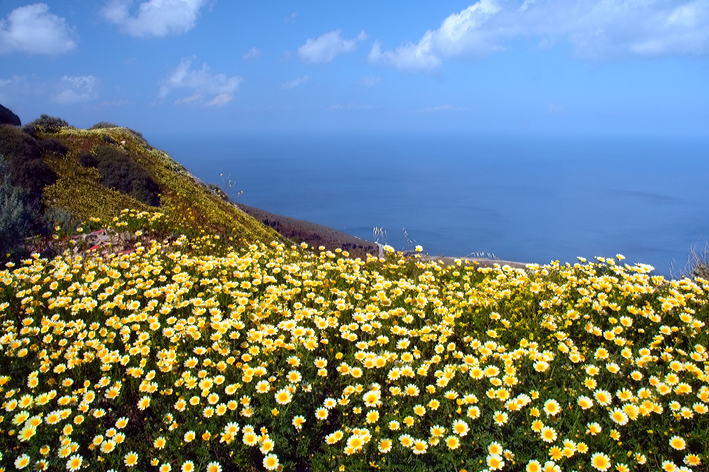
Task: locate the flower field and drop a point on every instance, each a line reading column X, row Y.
column 193, row 355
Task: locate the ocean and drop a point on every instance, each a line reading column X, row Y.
column 523, row 199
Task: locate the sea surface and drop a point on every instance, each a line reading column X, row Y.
column 522, row 199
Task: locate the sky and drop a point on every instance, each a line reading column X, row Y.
column 502, row 67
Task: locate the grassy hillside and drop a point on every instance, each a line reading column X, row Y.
column 186, row 202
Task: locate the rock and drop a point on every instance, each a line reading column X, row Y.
column 8, row 117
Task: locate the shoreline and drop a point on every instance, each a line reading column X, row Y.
column 317, row 235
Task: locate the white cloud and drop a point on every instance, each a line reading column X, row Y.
column 32, row 29
column 253, row 53
column 290, row 18
column 196, row 98
column 154, row 17
column 200, row 82
column 75, row 89
column 221, row 99
column 369, row 81
column 294, row 83
column 328, row 46
column 596, row 30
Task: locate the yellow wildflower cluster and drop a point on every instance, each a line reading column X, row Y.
column 274, row 357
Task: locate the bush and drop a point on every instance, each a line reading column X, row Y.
column 121, row 173
column 53, row 146
column 104, row 124
column 46, row 123
column 16, row 144
column 107, row 139
column 16, row 218
column 23, row 154
column 87, row 159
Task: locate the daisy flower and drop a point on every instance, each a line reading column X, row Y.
column 270, row 462
column 600, row 461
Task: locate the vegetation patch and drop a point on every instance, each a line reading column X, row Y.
column 119, row 172
column 193, row 354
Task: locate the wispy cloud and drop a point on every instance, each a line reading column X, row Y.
column 19, row 86
column 253, row 53
column 221, row 99
column 290, row 18
column 201, row 82
column 75, row 89
column 33, row 29
column 596, row 30
column 369, row 81
column 328, row 46
column 154, row 17
column 294, row 83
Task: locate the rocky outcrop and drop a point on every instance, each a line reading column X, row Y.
column 7, row 117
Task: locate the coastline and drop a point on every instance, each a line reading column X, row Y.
column 317, row 235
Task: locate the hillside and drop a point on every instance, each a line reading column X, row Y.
column 76, row 175
column 186, row 201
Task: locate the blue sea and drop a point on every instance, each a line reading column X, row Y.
column 522, row 199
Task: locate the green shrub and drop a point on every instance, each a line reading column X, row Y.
column 16, row 218
column 107, row 139
column 23, row 154
column 46, row 123
column 121, row 173
column 104, row 124
column 16, row 144
column 53, row 146
column 87, row 159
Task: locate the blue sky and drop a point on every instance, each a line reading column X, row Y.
column 542, row 67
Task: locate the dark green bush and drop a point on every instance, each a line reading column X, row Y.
column 107, row 139
column 16, row 144
column 16, row 218
column 46, row 123
column 53, row 146
column 23, row 155
column 87, row 159
column 104, row 124
column 121, row 173
column 32, row 174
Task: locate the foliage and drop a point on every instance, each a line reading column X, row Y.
column 45, row 124
column 104, row 124
column 53, row 145
column 191, row 353
column 87, row 159
column 15, row 216
column 191, row 208
column 123, row 174
column 18, row 145
column 24, row 156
